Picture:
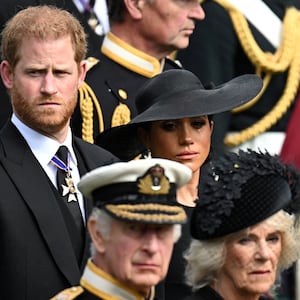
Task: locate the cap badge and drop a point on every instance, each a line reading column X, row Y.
column 154, row 182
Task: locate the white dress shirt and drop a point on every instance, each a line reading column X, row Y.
column 44, row 148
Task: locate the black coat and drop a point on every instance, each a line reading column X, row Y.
column 36, row 254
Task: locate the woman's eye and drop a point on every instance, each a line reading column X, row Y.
column 244, row 241
column 274, row 238
column 168, row 126
column 198, row 124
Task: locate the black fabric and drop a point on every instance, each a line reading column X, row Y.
column 106, row 79
column 207, row 293
column 32, row 223
column 173, row 286
column 240, row 190
column 176, row 94
column 73, row 206
column 221, row 57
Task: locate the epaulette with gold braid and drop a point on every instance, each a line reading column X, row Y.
column 91, row 62
column 285, row 59
column 69, row 294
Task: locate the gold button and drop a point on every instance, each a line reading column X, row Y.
column 122, row 94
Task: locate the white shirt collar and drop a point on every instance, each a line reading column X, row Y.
column 43, row 147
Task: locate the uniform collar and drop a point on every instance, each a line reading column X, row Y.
column 130, row 57
column 104, row 286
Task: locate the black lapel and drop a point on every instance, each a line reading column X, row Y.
column 19, row 161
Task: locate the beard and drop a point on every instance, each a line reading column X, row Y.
column 43, row 119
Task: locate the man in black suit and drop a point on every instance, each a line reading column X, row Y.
column 42, row 250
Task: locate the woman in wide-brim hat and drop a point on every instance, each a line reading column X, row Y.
column 174, row 121
column 176, row 94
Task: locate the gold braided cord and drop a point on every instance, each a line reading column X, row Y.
column 286, row 58
column 121, row 115
column 87, row 100
column 266, row 61
column 276, row 113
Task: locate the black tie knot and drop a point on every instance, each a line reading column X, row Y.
column 62, row 153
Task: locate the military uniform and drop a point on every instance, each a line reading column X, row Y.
column 96, row 284
column 107, row 97
column 226, row 45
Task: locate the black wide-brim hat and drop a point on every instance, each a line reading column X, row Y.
column 176, row 94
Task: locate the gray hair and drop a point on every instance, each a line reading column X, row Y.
column 103, row 224
column 206, row 258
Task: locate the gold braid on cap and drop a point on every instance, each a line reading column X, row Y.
column 140, row 212
column 88, row 100
column 286, row 58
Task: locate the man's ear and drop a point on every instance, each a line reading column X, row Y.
column 82, row 72
column 135, row 8
column 6, row 74
column 97, row 238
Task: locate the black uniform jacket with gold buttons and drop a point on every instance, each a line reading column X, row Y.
column 107, row 97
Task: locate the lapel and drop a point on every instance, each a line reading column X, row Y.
column 84, row 165
column 18, row 161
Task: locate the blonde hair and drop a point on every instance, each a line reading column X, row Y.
column 41, row 22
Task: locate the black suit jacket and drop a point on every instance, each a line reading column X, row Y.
column 36, row 255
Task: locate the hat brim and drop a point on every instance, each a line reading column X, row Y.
column 123, row 141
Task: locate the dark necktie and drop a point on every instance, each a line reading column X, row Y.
column 66, row 187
